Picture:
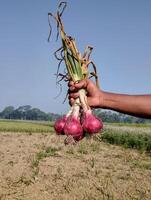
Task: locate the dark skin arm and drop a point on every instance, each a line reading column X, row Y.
column 136, row 105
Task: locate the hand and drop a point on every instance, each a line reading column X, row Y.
column 94, row 94
column 136, row 105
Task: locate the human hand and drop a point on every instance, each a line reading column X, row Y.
column 94, row 94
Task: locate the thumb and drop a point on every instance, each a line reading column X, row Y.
column 81, row 84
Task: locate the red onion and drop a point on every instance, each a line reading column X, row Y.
column 90, row 123
column 70, row 124
column 73, row 127
column 72, row 140
column 59, row 125
column 78, row 138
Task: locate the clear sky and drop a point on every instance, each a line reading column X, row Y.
column 119, row 31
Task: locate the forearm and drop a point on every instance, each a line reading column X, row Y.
column 136, row 105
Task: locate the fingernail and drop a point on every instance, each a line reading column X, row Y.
column 76, row 82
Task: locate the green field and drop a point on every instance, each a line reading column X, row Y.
column 25, row 126
column 145, row 125
column 129, row 136
column 137, row 136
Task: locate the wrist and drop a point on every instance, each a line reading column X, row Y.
column 106, row 100
column 110, row 100
column 102, row 98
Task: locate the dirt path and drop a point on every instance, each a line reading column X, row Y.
column 39, row 166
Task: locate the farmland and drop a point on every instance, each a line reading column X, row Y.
column 35, row 163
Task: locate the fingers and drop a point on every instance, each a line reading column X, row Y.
column 74, row 95
column 71, row 86
column 72, row 89
column 71, row 83
column 76, row 86
column 81, row 84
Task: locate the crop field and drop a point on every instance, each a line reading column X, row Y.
column 36, row 165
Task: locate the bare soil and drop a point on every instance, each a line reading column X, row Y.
column 38, row 166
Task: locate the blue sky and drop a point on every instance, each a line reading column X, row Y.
column 119, row 31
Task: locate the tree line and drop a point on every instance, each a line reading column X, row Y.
column 109, row 116
column 28, row 113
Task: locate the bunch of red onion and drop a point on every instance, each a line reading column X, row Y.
column 79, row 120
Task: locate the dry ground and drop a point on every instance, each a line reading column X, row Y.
column 37, row 166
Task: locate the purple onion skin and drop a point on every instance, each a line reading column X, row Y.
column 74, row 128
column 91, row 124
column 78, row 138
column 59, row 125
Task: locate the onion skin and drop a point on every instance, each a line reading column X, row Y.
column 78, row 138
column 91, row 124
column 73, row 127
column 72, row 140
column 59, row 125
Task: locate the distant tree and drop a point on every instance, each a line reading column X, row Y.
column 16, row 114
column 140, row 120
column 36, row 114
column 53, row 116
column 6, row 113
column 28, row 113
column 109, row 116
column 22, row 111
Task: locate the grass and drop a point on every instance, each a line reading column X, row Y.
column 47, row 152
column 139, row 141
column 141, row 165
column 145, row 125
column 127, row 135
column 25, row 126
column 82, row 149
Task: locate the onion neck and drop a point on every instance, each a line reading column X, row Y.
column 83, row 100
column 70, row 112
column 76, row 108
